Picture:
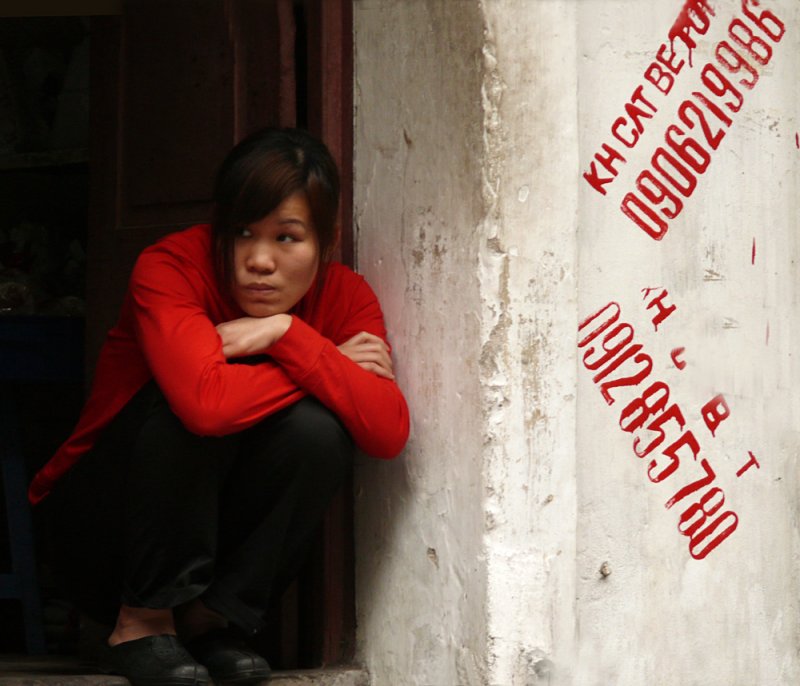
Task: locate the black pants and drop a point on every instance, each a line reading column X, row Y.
column 154, row 516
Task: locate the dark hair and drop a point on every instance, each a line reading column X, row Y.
column 258, row 175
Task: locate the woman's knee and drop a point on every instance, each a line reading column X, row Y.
column 167, row 456
column 319, row 439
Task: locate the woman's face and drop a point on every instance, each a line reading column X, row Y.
column 275, row 259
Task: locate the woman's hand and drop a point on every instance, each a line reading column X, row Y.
column 252, row 335
column 369, row 352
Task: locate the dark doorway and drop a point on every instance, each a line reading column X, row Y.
column 175, row 83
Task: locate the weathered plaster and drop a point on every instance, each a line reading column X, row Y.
column 469, row 248
column 519, row 540
column 661, row 617
column 421, row 572
column 528, row 294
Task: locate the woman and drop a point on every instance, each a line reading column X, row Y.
column 226, row 404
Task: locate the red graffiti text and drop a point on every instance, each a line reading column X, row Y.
column 620, row 367
column 702, row 122
column 659, row 77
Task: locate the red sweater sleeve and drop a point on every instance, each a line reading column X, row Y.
column 184, row 353
column 372, row 408
column 211, row 397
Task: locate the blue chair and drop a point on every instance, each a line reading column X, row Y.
column 32, row 349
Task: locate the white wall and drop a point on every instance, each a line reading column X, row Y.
column 527, row 272
column 480, row 552
column 662, row 617
column 421, row 570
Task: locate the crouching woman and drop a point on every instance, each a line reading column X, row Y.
column 228, row 400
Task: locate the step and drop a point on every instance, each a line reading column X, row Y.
column 53, row 670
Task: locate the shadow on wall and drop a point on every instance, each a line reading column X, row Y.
column 378, row 521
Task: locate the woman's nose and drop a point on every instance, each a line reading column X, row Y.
column 261, row 259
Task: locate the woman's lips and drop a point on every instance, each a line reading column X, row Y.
column 259, row 287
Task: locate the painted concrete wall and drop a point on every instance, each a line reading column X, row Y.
column 521, row 539
column 727, row 262
column 421, row 568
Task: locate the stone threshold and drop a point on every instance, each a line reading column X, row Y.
column 52, row 670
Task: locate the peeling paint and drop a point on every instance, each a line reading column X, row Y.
column 469, row 130
column 417, row 202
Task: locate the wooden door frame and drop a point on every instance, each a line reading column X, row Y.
column 330, row 108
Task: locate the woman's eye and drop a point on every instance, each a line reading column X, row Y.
column 286, row 238
column 243, row 232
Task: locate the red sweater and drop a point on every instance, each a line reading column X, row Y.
column 166, row 331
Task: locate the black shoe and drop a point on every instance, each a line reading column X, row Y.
column 156, row 661
column 228, row 659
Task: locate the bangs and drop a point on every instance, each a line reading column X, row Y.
column 264, row 184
